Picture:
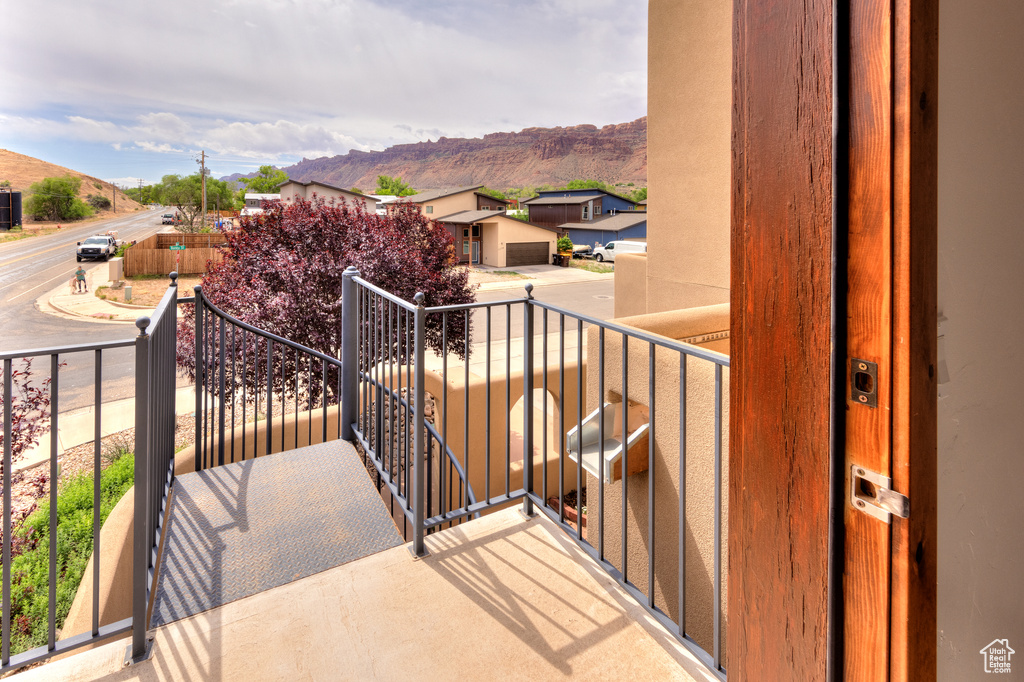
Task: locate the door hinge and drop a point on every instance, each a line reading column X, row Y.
column 870, row 492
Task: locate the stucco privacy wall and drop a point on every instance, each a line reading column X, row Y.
column 981, row 365
column 699, row 470
column 689, row 105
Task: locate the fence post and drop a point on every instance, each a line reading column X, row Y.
column 349, row 354
column 528, row 402
column 137, row 650
column 418, row 427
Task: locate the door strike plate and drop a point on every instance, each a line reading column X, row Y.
column 864, row 382
column 870, row 492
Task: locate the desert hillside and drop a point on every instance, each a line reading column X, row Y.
column 530, row 157
column 23, row 170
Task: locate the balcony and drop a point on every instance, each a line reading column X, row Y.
column 268, row 551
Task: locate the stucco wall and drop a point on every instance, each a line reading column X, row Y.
column 981, row 365
column 699, row 470
column 689, row 105
column 463, row 201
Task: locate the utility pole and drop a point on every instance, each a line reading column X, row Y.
column 114, row 187
column 203, row 165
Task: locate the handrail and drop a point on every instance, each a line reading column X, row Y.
column 261, row 332
column 385, row 294
column 66, row 350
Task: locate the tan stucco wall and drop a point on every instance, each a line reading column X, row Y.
column 463, row 201
column 981, row 364
column 699, row 470
column 689, row 109
column 290, row 192
column 630, row 284
column 499, row 231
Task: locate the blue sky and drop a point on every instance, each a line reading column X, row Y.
column 127, row 90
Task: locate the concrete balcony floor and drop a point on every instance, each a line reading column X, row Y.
column 501, row 597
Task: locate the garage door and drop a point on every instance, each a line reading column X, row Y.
column 526, row 253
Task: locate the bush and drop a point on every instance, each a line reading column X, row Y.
column 563, row 244
column 57, row 199
column 30, row 570
column 99, row 202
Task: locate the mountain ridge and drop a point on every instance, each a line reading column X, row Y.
column 530, row 157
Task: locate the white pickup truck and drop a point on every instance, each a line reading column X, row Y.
column 98, row 246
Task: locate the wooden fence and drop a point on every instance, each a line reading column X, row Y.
column 153, row 256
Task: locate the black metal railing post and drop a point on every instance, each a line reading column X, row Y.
column 143, row 536
column 528, row 402
column 419, row 430
column 199, row 383
column 349, row 354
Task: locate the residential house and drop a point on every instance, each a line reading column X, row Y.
column 293, row 189
column 560, row 206
column 606, row 228
column 483, row 232
column 254, row 202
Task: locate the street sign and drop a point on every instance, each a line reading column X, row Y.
column 177, row 247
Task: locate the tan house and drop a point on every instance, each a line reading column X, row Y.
column 292, row 189
column 483, row 232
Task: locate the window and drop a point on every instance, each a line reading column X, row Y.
column 476, row 230
column 465, row 247
column 586, row 213
column 428, row 209
column 485, row 207
column 465, row 233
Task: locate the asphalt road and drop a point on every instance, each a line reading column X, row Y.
column 33, row 266
column 594, row 299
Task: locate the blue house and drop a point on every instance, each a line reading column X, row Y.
column 607, row 228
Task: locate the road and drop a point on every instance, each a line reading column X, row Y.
column 595, row 299
column 33, row 266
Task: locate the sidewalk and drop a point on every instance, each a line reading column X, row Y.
column 63, row 301
column 78, row 426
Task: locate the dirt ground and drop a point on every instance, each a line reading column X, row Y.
column 147, row 291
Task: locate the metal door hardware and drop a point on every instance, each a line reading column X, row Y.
column 871, row 494
column 864, row 382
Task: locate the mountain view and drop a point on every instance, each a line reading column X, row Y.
column 530, row 157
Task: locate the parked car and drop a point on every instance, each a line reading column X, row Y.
column 609, row 250
column 97, row 246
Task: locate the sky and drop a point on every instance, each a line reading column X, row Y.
column 135, row 90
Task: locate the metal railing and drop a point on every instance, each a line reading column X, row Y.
column 154, row 450
column 387, row 341
column 238, row 367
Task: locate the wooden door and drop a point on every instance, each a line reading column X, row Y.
column 817, row 589
column 889, row 568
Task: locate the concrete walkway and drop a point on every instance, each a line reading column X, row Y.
column 498, row 598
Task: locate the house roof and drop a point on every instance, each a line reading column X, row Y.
column 432, row 194
column 467, row 217
column 619, row 221
column 325, row 185
column 585, row 189
column 559, row 200
column 261, row 197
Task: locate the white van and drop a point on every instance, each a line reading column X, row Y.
column 608, row 251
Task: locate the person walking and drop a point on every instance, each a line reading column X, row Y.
column 80, row 280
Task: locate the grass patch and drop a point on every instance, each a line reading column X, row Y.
column 13, row 235
column 591, row 266
column 512, row 274
column 30, row 571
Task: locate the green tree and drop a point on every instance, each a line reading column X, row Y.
column 186, row 195
column 5, row 183
column 590, row 184
column 493, row 193
column 267, row 181
column 57, row 199
column 394, row 186
column 639, row 195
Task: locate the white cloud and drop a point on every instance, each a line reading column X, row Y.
column 279, row 77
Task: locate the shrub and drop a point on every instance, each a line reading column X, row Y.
column 99, row 202
column 30, row 570
column 57, row 199
column 563, row 244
